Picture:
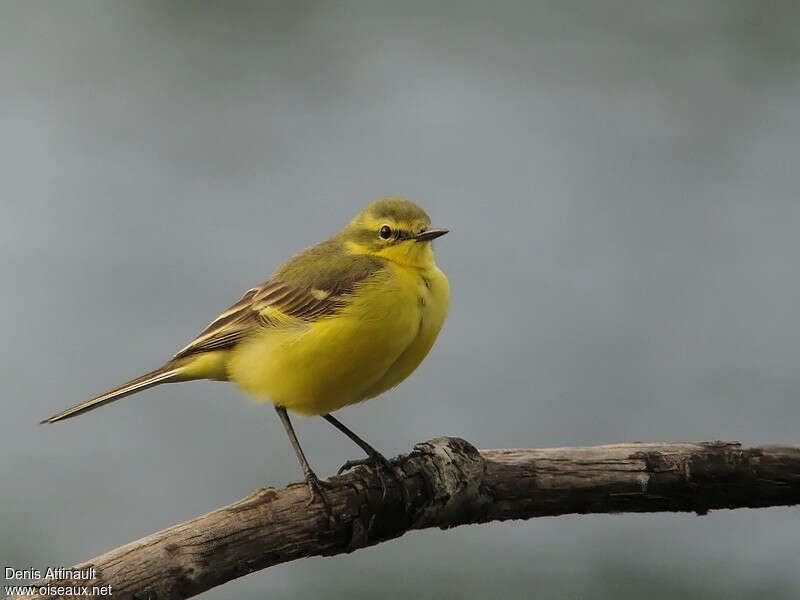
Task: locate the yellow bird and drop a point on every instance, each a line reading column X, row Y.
column 338, row 323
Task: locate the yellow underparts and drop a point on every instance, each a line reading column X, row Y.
column 366, row 348
column 207, row 365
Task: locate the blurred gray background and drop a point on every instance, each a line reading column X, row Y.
column 621, row 184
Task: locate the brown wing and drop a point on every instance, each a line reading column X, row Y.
column 305, row 287
column 248, row 313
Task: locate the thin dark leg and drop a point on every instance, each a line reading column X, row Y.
column 375, row 458
column 369, row 450
column 314, row 484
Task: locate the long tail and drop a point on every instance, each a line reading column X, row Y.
column 165, row 374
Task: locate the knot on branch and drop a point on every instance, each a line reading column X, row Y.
column 454, row 473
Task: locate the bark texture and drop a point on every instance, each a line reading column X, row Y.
column 447, row 483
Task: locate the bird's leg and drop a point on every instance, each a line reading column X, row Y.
column 314, row 484
column 375, row 458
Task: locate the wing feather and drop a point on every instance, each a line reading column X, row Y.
column 306, row 299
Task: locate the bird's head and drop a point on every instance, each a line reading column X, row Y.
column 395, row 229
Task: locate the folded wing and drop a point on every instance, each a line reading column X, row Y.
column 322, row 290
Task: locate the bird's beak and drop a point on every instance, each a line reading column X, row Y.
column 430, row 234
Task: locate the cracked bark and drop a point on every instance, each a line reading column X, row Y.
column 448, row 483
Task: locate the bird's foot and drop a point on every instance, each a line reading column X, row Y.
column 316, row 487
column 374, row 461
column 380, row 463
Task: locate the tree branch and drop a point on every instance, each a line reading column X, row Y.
column 448, row 483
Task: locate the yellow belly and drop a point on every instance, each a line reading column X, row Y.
column 368, row 347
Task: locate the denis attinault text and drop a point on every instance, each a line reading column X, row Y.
column 52, row 588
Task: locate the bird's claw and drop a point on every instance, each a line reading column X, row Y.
column 316, row 487
column 352, row 464
column 380, row 463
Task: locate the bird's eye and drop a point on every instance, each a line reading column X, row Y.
column 386, row 232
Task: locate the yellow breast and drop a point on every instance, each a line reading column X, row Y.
column 433, row 299
column 371, row 345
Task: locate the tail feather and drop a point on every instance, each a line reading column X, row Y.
column 165, row 374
